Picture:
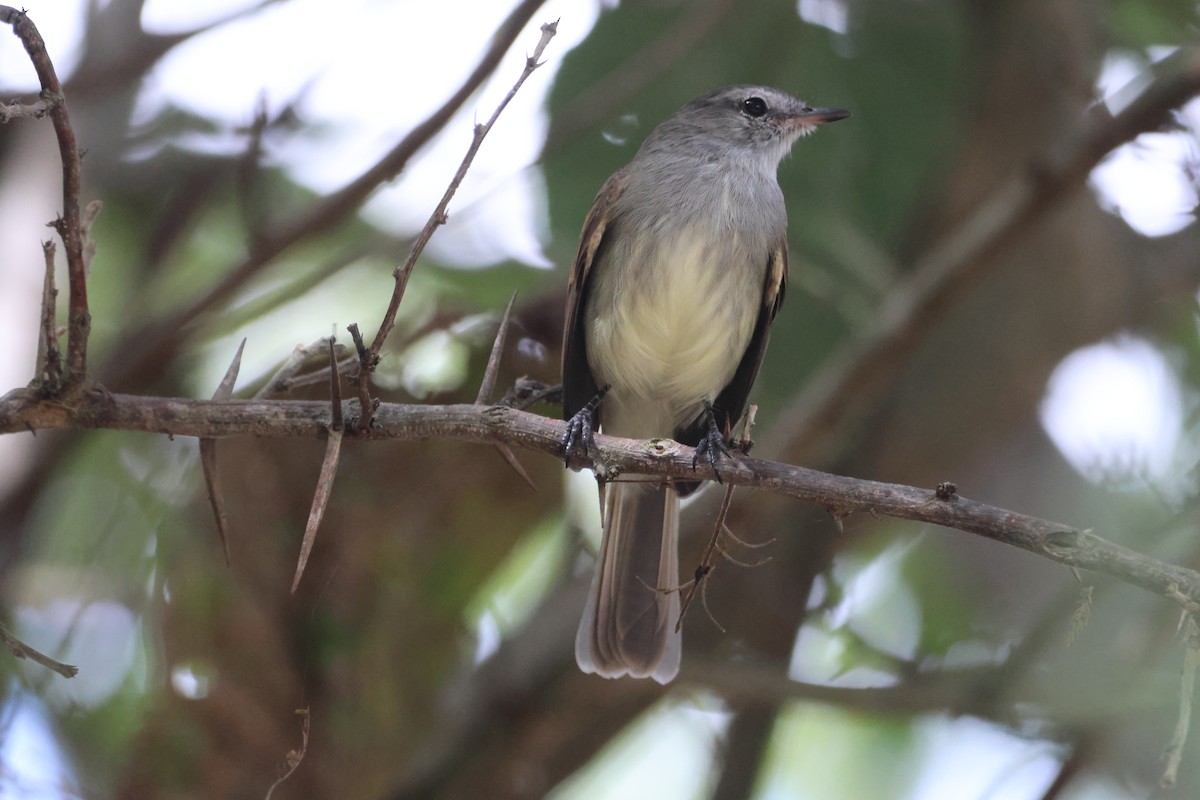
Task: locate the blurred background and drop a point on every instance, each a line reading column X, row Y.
column 431, row 637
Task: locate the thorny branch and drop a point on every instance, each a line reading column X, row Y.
column 69, row 225
column 23, row 410
column 438, row 218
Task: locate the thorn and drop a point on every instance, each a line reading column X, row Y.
column 488, row 385
column 511, row 460
column 324, row 488
column 335, row 387
column 225, row 388
column 208, row 456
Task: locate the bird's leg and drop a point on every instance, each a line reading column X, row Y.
column 712, row 444
column 580, row 428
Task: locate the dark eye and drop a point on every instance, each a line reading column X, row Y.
column 754, row 106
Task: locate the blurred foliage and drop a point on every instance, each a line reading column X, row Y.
column 425, row 545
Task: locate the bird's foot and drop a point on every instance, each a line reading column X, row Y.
column 712, row 446
column 581, row 429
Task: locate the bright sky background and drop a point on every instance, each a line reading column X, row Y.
column 1112, row 403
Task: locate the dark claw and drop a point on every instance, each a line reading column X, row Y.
column 712, row 444
column 580, row 429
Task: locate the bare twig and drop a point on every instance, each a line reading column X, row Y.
column 1187, row 688
column 706, row 559
column 141, row 353
column 79, row 319
column 22, row 410
column 15, row 110
column 208, row 455
column 438, row 217
column 49, row 358
column 294, row 757
column 22, row 650
column 706, row 566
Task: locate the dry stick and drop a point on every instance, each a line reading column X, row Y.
column 147, row 349
column 22, row 650
column 49, row 358
column 1187, row 688
column 294, row 757
column 333, row 450
column 15, row 110
column 79, row 319
column 706, row 559
column 488, row 386
column 208, row 455
column 23, row 410
column 705, row 567
column 438, row 218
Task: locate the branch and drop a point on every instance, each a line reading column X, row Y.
column 23, row 410
column 438, row 218
column 22, row 650
column 155, row 345
column 68, row 226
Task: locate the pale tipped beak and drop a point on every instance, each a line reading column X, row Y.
column 819, row 116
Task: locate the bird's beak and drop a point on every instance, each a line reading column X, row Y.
column 819, row 116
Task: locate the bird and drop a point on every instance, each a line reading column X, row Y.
column 681, row 268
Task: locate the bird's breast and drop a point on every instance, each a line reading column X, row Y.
column 669, row 317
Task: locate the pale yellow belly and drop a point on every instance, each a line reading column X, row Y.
column 674, row 339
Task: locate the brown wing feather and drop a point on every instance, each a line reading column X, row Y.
column 579, row 386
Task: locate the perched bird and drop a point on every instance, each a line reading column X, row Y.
column 681, row 268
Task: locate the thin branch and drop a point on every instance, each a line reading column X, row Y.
column 79, row 320
column 49, row 358
column 16, row 110
column 438, row 217
column 294, row 757
column 1187, row 688
column 22, row 650
column 151, row 347
column 23, row 410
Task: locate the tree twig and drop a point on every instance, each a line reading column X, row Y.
column 1187, row 688
column 49, row 357
column 294, row 757
column 23, row 410
column 79, row 319
column 22, row 650
column 438, row 217
column 150, row 347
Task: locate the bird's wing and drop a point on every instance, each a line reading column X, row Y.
column 579, row 386
column 732, row 400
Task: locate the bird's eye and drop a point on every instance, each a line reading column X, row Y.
column 754, row 106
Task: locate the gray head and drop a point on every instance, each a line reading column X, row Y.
column 751, row 121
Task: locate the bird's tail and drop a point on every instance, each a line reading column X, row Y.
column 628, row 626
